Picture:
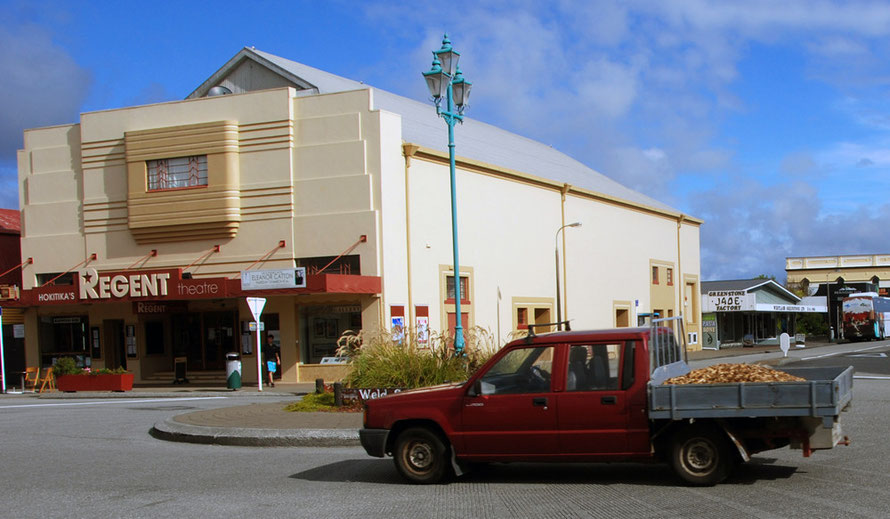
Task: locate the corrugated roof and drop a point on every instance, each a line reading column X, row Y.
column 747, row 284
column 474, row 139
column 10, row 221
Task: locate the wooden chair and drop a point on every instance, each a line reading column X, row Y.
column 48, row 382
column 32, row 376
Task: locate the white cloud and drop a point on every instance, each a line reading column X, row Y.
column 750, row 228
column 838, row 47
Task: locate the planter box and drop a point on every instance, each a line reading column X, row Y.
column 72, row 383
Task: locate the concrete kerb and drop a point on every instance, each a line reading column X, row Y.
column 172, row 430
column 164, row 394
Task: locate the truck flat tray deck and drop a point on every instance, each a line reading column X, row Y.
column 825, row 393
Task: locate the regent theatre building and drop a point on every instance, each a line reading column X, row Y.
column 146, row 228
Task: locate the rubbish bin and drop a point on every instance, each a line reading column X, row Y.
column 233, row 370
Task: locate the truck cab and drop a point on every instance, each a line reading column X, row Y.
column 578, row 396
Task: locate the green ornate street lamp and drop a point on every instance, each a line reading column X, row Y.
column 444, row 79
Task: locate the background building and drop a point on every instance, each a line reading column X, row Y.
column 10, row 286
column 836, row 277
column 751, row 311
column 141, row 221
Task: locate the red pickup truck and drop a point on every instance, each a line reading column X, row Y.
column 598, row 396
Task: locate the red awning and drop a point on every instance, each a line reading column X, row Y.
column 169, row 285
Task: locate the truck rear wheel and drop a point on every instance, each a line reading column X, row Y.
column 421, row 456
column 701, row 456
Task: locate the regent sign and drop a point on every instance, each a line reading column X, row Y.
column 94, row 286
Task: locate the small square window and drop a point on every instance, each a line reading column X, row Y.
column 522, row 318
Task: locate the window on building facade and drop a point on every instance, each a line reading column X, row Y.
column 464, row 289
column 522, row 318
column 177, row 173
column 57, row 278
column 349, row 265
column 669, row 276
column 654, row 275
column 622, row 317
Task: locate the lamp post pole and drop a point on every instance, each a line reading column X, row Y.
column 444, row 79
column 558, row 299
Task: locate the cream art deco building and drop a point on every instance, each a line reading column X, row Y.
column 141, row 222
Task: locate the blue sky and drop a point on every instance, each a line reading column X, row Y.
column 769, row 120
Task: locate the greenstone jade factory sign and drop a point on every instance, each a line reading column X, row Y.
column 730, row 300
column 744, row 301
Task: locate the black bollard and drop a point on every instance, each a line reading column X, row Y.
column 338, row 394
column 319, row 385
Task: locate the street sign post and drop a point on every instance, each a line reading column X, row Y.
column 256, row 305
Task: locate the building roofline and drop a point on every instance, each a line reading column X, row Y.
column 434, row 155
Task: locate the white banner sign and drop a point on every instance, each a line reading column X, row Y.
column 791, row 308
column 271, row 279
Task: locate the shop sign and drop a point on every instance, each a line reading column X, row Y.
column 791, row 308
column 346, row 309
column 273, row 279
column 155, row 307
column 56, row 295
column 709, row 323
column 94, row 286
column 200, row 288
column 66, row 320
column 730, row 300
column 368, row 393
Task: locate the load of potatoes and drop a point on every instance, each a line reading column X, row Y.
column 730, row 373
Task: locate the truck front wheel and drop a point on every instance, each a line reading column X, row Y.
column 701, row 456
column 421, row 456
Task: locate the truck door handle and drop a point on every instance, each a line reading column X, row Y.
column 539, row 402
column 609, row 400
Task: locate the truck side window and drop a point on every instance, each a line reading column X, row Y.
column 524, row 370
column 593, row 367
column 627, row 368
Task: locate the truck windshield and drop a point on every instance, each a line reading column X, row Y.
column 523, row 370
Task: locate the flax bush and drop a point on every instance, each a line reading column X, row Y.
column 395, row 360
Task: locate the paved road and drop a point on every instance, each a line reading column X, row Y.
column 95, row 459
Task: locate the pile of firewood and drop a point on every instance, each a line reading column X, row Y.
column 728, row 373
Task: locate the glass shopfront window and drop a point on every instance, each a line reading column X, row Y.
column 322, row 326
column 64, row 336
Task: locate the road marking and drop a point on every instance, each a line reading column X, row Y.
column 879, row 355
column 843, row 352
column 869, row 377
column 101, row 402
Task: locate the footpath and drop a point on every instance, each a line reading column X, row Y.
column 267, row 424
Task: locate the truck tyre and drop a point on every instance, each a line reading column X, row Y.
column 701, row 456
column 421, row 456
